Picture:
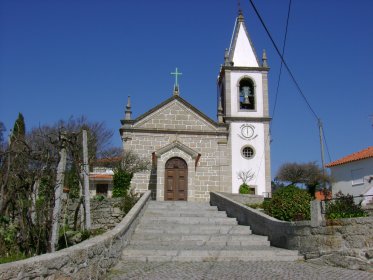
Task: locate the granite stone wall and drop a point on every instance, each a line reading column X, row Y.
column 200, row 141
column 105, row 214
column 90, row 259
column 345, row 242
column 212, row 172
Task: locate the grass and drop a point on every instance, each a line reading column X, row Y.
column 12, row 258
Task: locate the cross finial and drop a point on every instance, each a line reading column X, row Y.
column 176, row 85
column 176, row 73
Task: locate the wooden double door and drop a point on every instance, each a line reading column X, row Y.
column 176, row 179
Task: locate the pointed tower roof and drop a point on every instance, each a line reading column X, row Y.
column 241, row 50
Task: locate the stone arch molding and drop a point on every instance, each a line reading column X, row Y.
column 176, row 149
column 245, row 77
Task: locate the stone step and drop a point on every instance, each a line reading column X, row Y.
column 268, row 254
column 186, row 231
column 194, row 247
column 188, row 220
column 175, row 205
column 192, row 229
column 156, row 237
column 183, row 213
column 196, row 244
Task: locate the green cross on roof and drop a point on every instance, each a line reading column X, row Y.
column 176, row 73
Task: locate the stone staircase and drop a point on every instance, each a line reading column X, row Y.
column 187, row 231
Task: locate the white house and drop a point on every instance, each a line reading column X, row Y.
column 101, row 181
column 353, row 174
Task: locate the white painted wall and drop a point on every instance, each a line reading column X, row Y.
column 342, row 175
column 256, row 164
column 234, row 91
column 243, row 52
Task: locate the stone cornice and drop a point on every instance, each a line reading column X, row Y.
column 243, row 68
column 225, row 68
column 174, row 131
column 129, row 122
column 247, row 119
column 176, row 144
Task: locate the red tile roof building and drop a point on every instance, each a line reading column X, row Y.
column 363, row 154
column 353, row 174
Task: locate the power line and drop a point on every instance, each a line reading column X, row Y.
column 278, row 86
column 283, row 52
column 327, row 148
column 284, row 62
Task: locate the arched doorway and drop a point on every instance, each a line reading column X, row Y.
column 176, row 179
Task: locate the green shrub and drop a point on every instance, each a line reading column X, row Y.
column 99, row 197
column 121, row 182
column 289, row 204
column 245, row 189
column 128, row 201
column 344, row 206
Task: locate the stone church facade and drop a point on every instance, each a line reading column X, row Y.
column 192, row 154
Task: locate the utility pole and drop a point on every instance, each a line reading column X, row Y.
column 321, row 145
column 86, row 183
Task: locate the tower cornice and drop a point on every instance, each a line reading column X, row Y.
column 224, row 68
column 245, row 68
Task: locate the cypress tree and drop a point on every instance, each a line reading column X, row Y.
column 19, row 128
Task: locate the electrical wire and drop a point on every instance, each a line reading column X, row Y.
column 284, row 62
column 326, row 144
column 283, row 52
column 288, row 69
column 268, row 137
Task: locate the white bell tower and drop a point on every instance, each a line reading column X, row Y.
column 243, row 104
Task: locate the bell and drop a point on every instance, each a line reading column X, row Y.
column 245, row 92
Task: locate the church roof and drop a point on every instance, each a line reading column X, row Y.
column 363, row 154
column 192, row 114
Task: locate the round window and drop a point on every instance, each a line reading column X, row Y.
column 247, row 152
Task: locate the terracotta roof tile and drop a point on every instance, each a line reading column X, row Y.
column 363, row 154
column 100, row 176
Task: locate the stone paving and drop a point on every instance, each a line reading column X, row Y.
column 232, row 270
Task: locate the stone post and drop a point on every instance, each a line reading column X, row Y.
column 316, row 216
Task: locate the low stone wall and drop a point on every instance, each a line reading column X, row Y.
column 105, row 214
column 244, row 198
column 90, row 259
column 345, row 242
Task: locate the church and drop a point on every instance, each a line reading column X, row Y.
column 193, row 154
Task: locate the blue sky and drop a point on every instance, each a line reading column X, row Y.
column 70, row 58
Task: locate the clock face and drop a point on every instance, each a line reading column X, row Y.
column 247, row 131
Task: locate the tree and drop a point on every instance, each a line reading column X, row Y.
column 30, row 185
column 129, row 164
column 133, row 163
column 309, row 174
column 2, row 130
column 2, row 141
column 245, row 176
column 19, row 128
column 60, row 176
